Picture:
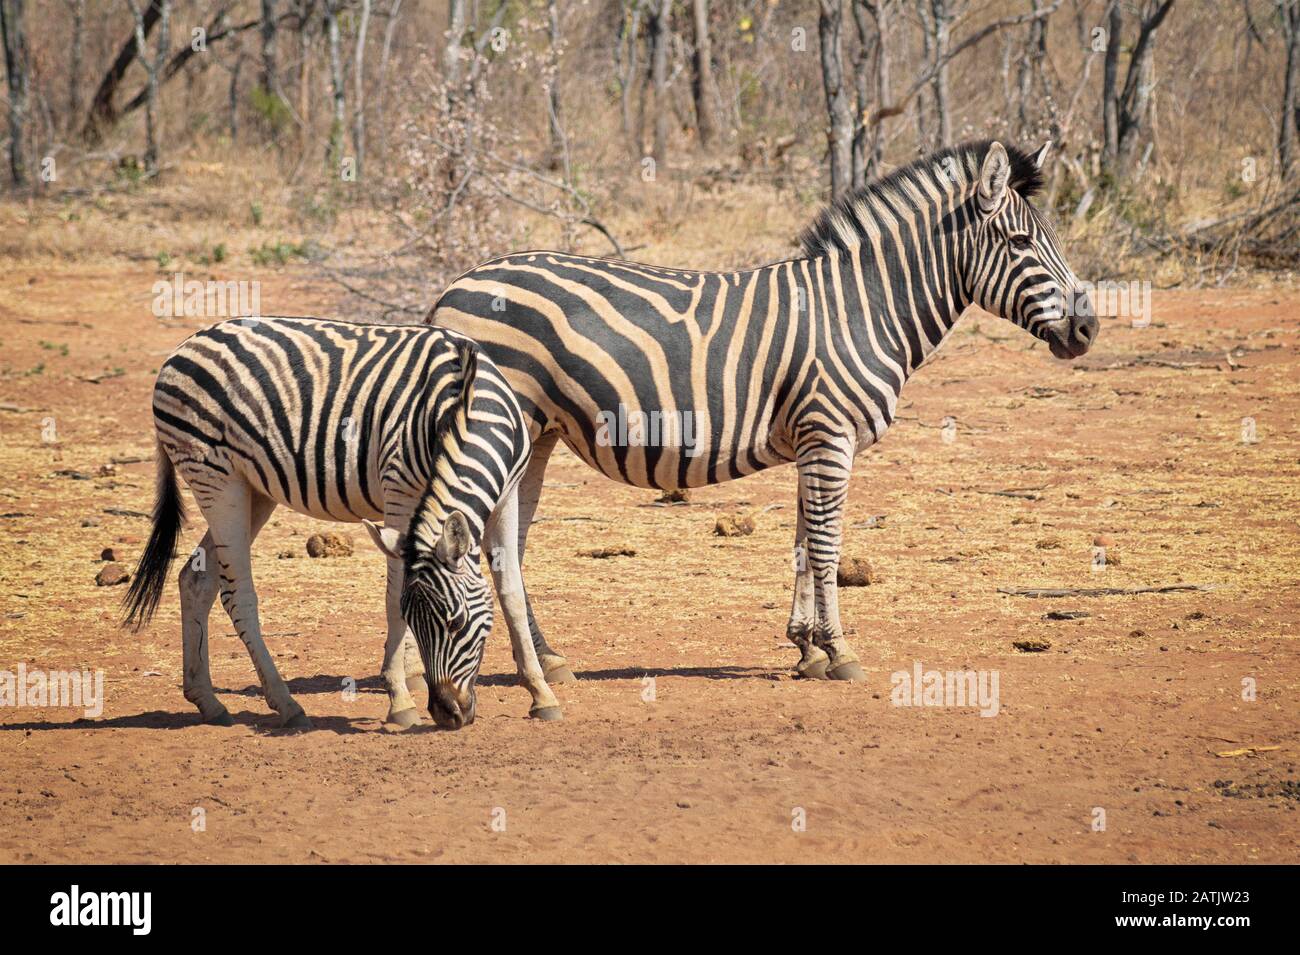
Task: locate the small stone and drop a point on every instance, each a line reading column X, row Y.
column 1103, row 540
column 329, row 545
column 111, row 575
column 679, row 495
column 734, row 525
column 286, row 554
column 90, row 522
column 855, row 572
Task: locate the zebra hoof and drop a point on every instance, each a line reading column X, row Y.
column 848, row 670
column 298, row 721
column 415, row 683
column 813, row 671
column 548, row 714
column 220, row 719
column 404, row 719
column 560, row 674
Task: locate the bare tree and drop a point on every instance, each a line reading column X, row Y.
column 17, row 66
column 75, row 56
column 659, row 41
column 453, row 54
column 626, row 47
column 872, row 20
column 335, row 147
column 1287, row 133
column 153, row 68
column 937, row 18
column 705, row 88
column 1125, row 111
column 556, row 154
column 359, row 77
column 839, row 132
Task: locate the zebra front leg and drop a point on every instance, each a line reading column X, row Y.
column 500, row 542
column 198, row 584
column 554, row 664
column 230, row 521
column 401, row 705
column 824, row 471
column 803, row 613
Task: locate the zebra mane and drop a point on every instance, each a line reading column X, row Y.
column 840, row 227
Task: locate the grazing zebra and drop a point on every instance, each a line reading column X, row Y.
column 345, row 422
column 801, row 361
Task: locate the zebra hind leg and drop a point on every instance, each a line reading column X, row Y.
column 500, row 541
column 554, row 665
column 198, row 583
column 230, row 516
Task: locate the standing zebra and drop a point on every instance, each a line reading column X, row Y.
column 800, row 361
column 345, row 422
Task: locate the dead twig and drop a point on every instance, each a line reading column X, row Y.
column 1099, row 591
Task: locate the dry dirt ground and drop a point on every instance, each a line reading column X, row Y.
column 686, row 739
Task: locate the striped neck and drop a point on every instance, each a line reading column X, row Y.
column 910, row 238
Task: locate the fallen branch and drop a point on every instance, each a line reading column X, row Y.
column 1098, row 591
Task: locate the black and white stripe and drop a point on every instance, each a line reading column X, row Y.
column 801, row 361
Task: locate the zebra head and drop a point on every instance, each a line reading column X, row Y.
column 446, row 605
column 1015, row 267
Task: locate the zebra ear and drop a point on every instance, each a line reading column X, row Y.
column 455, row 541
column 1041, row 156
column 389, row 540
column 994, row 175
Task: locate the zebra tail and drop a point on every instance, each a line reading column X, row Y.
column 468, row 357
column 142, row 598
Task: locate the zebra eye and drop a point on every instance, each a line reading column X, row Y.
column 1020, row 243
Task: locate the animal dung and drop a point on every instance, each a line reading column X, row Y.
column 855, row 572
column 111, row 575
column 734, row 525
column 1032, row 645
column 329, row 545
column 604, row 553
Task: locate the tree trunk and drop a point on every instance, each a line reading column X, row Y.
column 153, row 69
column 270, row 70
column 942, row 24
column 1127, row 112
column 839, row 133
column 706, row 91
column 102, row 112
column 75, row 58
column 17, row 65
column 555, row 156
column 359, row 77
column 1289, row 11
column 1109, row 79
column 872, row 86
column 452, row 54
column 335, row 147
column 659, row 77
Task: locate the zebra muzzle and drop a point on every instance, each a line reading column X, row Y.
column 451, row 708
